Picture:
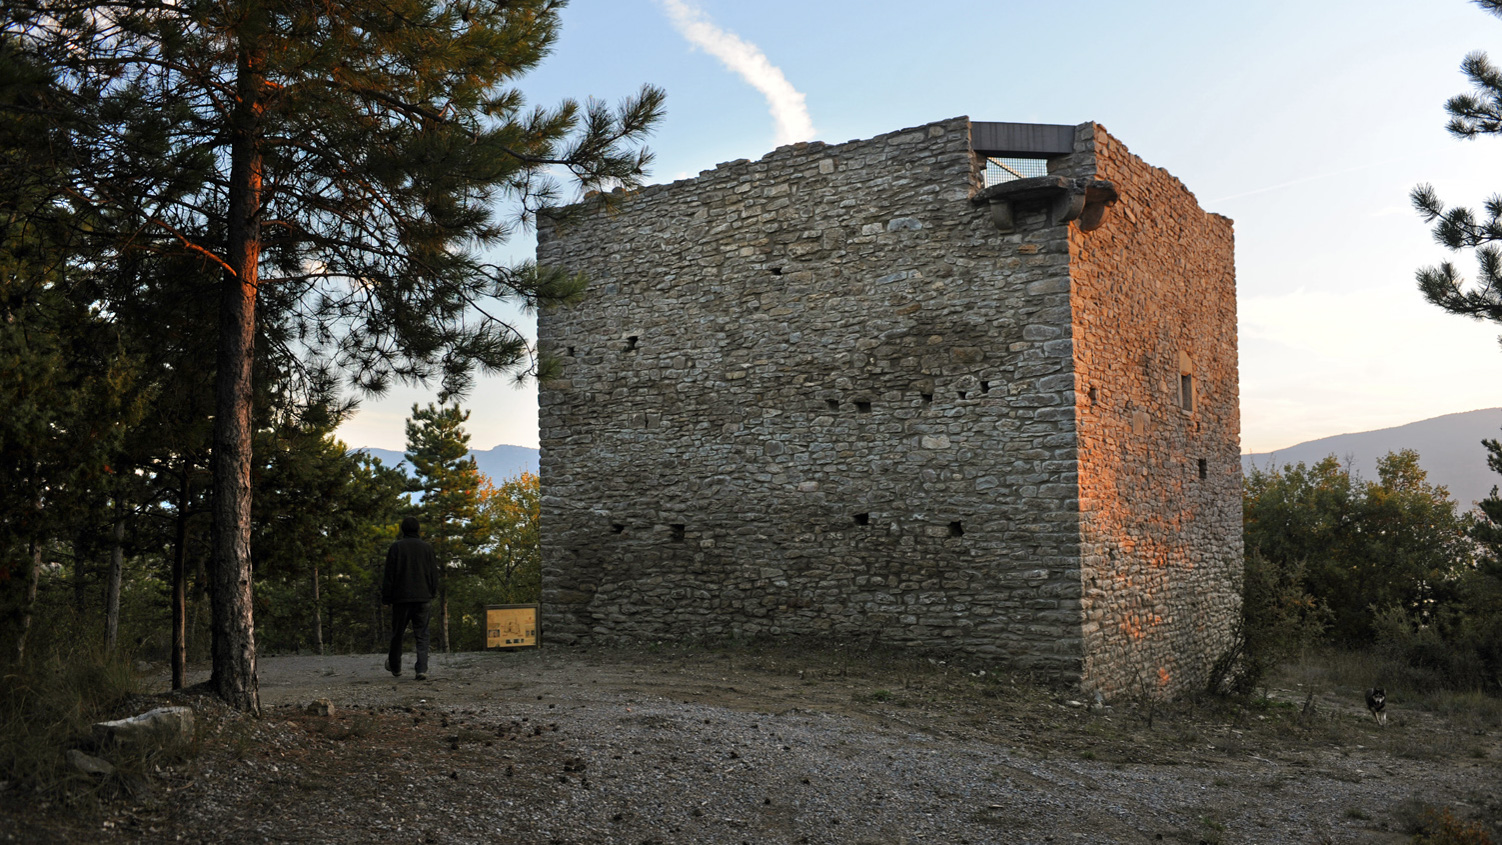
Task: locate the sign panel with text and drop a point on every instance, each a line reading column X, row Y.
column 510, row 625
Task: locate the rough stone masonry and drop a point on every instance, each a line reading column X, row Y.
column 856, row 391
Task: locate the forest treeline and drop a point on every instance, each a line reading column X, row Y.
column 122, row 555
column 1391, row 564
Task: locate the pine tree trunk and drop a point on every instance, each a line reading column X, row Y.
column 205, row 600
column 180, row 586
column 317, row 614
column 80, row 589
column 112, row 591
column 28, row 603
column 444, row 610
column 234, row 647
column 380, row 638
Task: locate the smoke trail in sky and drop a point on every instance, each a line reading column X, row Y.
column 747, row 60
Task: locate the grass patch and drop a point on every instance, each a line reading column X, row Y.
column 48, row 705
column 1212, row 830
column 1473, row 709
column 1338, row 713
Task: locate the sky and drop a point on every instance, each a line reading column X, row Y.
column 1307, row 123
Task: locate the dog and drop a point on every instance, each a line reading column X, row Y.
column 1376, row 701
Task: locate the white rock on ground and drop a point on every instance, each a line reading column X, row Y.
column 166, row 728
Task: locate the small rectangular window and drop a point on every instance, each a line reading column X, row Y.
column 863, row 519
column 678, row 532
column 1204, row 469
column 1186, row 391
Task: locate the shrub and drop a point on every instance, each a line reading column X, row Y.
column 1440, row 827
column 1278, row 620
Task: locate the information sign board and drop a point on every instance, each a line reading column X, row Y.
column 510, row 625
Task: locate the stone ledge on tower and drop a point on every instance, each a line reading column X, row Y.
column 1066, row 199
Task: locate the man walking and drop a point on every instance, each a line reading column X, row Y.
column 410, row 582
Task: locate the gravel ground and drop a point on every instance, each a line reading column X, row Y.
column 685, row 746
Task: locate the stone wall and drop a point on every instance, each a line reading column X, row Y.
column 821, row 394
column 1160, row 483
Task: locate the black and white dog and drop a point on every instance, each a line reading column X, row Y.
column 1376, row 701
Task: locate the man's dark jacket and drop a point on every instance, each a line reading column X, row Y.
column 411, row 572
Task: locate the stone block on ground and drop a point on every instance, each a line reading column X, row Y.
column 88, row 764
column 319, row 707
column 165, row 728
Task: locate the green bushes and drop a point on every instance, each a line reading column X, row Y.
column 1279, row 619
column 1386, row 565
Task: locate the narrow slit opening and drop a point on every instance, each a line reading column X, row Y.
column 985, row 387
column 1204, row 469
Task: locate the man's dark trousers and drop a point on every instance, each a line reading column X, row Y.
column 415, row 613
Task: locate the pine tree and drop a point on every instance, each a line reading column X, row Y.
column 450, row 482
column 1487, row 529
column 339, row 165
column 67, row 386
column 1471, row 115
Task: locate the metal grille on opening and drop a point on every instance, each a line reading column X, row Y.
column 1000, row 170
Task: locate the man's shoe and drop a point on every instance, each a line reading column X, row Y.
column 421, row 676
column 394, row 669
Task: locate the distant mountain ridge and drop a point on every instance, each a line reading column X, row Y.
column 499, row 463
column 1449, row 448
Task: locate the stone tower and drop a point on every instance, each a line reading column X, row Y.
column 966, row 387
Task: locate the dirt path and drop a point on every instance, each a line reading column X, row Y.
column 685, row 746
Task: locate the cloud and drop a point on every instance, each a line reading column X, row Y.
column 747, row 60
column 1311, row 178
